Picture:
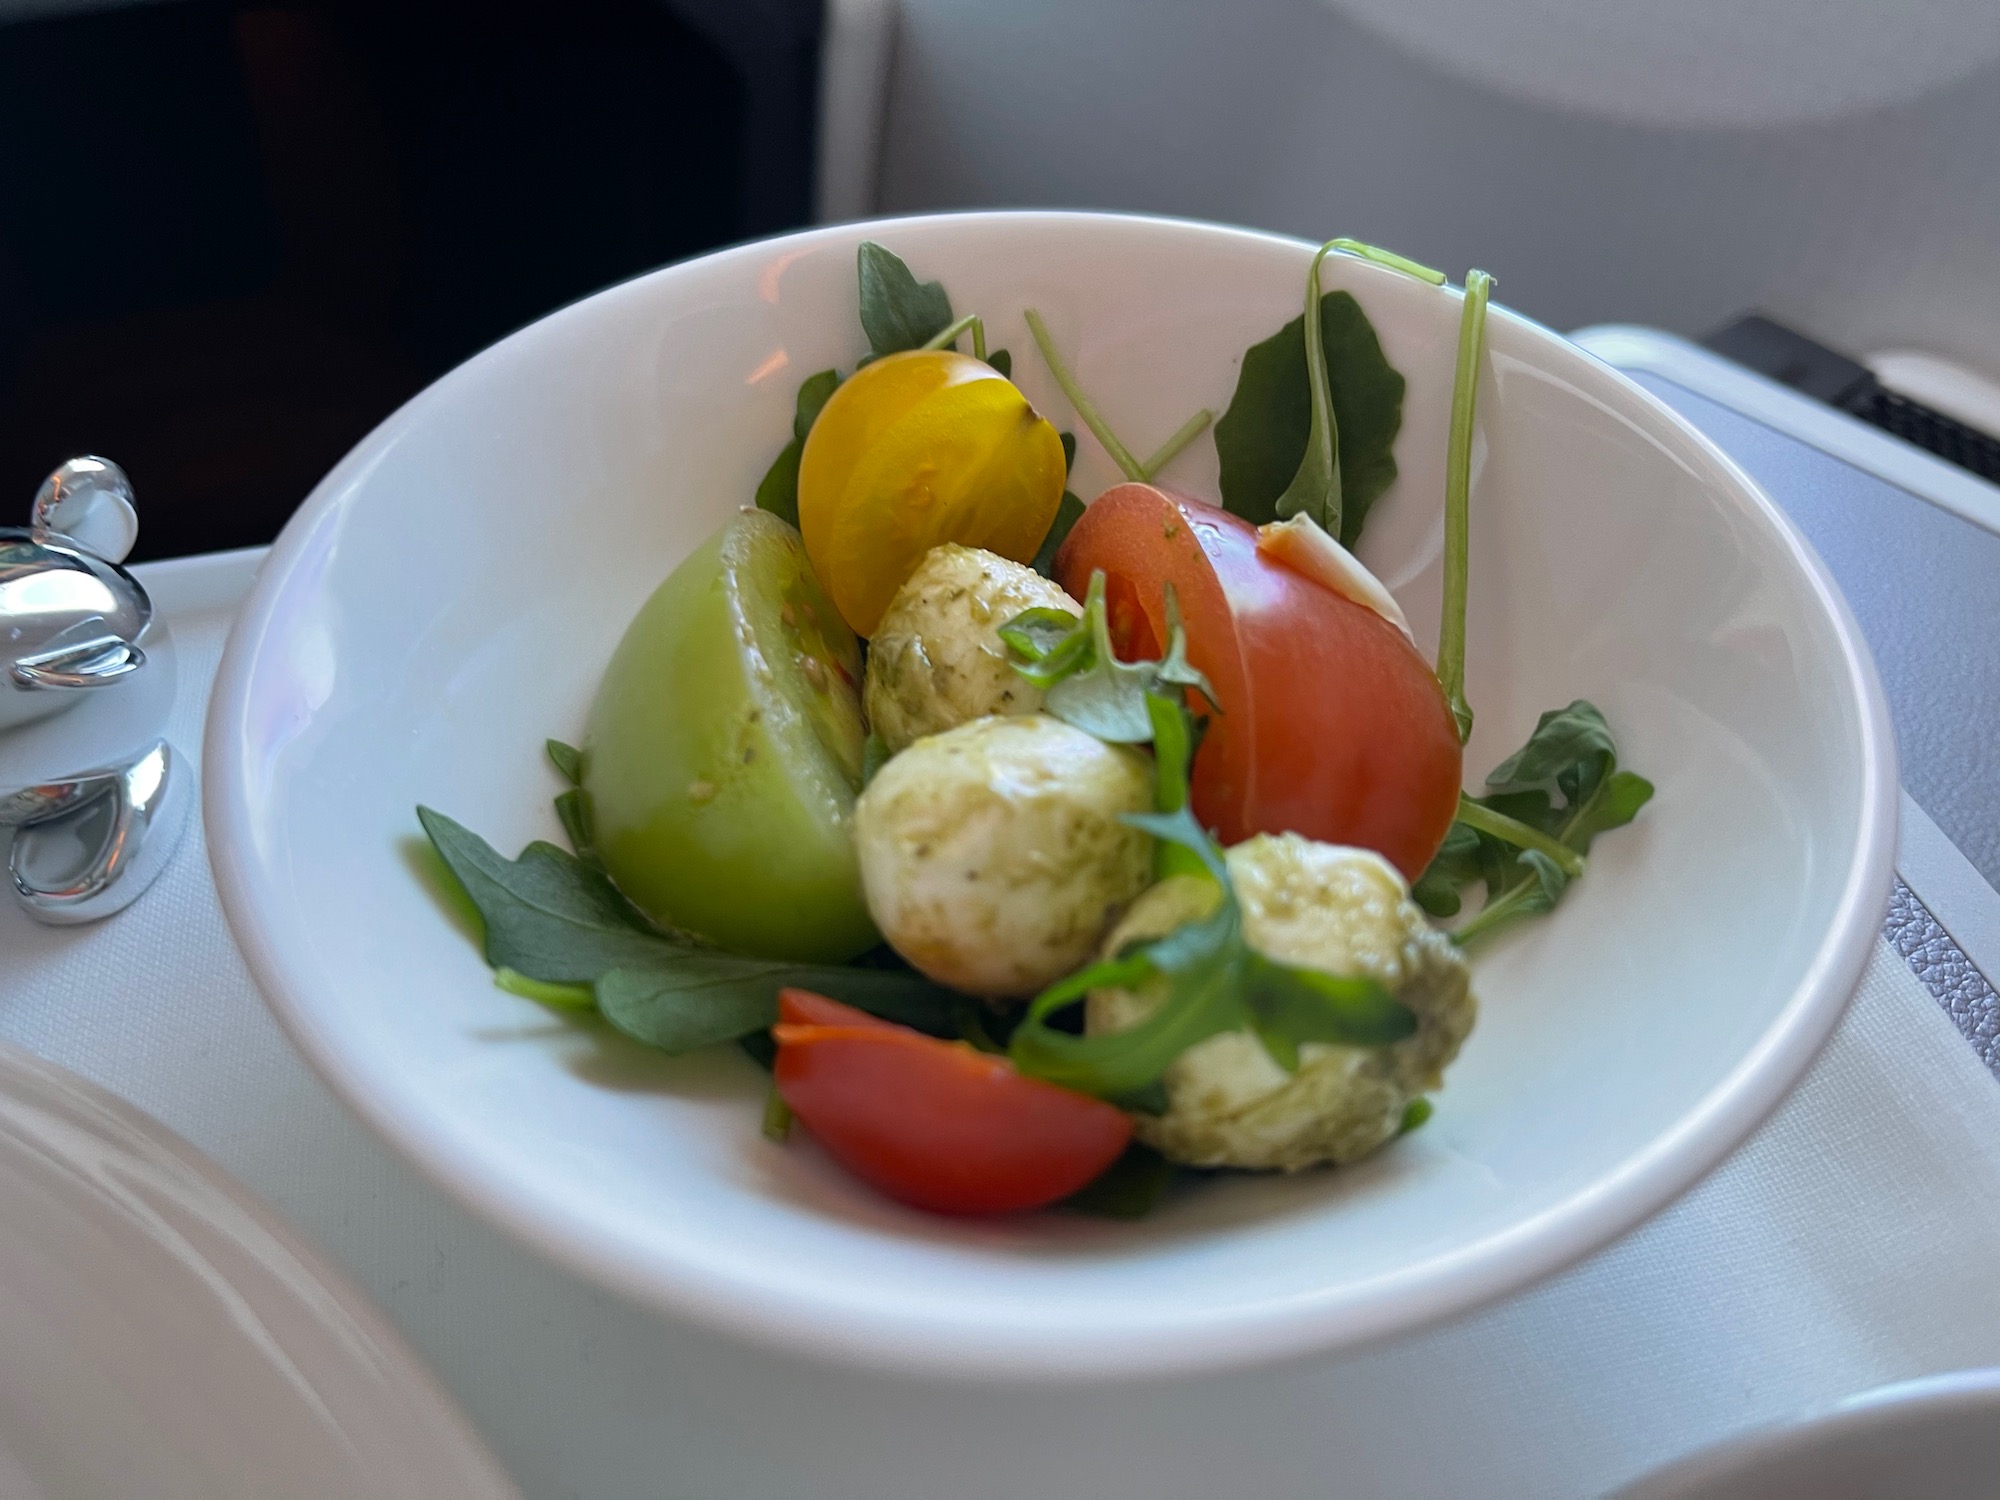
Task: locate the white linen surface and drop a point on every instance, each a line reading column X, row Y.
column 1854, row 1240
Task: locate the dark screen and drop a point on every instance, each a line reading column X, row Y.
column 234, row 237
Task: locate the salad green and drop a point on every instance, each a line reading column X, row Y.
column 1547, row 800
column 1082, row 680
column 564, row 934
column 1318, row 437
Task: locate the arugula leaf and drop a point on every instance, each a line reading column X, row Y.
column 1130, row 1188
column 1457, row 864
column 814, row 392
column 1175, row 669
column 898, row 312
column 1176, row 738
column 652, row 1005
column 1615, row 803
column 1261, row 440
column 1215, row 981
column 1563, row 786
column 1068, row 512
column 875, row 755
column 973, row 1019
column 553, row 923
column 1294, row 1005
column 1536, row 890
column 1047, row 641
column 1002, row 361
column 1119, row 1066
column 1528, row 831
column 1107, row 697
column 547, row 915
column 573, row 811
column 567, row 759
column 572, row 806
column 704, row 998
column 1571, row 748
column 1083, row 681
column 778, row 491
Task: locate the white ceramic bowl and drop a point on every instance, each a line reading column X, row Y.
column 448, row 595
column 1931, row 1439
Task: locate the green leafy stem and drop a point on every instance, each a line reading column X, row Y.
column 1130, row 466
column 1526, row 839
column 947, row 337
column 1457, row 497
column 1315, row 488
column 1383, row 257
column 1521, row 835
column 556, row 930
column 1214, row 980
column 1084, row 683
column 1318, row 429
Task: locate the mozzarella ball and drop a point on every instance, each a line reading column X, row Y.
column 1344, row 911
column 936, row 660
column 992, row 855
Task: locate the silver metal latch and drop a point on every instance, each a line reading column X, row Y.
column 85, row 843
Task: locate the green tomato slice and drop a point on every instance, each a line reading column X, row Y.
column 723, row 753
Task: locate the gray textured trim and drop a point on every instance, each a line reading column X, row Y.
column 1943, row 969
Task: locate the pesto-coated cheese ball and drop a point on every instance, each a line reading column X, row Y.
column 1344, row 911
column 992, row 855
column 936, row 659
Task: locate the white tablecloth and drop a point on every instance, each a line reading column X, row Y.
column 1854, row 1240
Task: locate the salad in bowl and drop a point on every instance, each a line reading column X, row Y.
column 1048, row 852
column 960, row 929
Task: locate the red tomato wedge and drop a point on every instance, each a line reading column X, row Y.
column 933, row 1123
column 1332, row 725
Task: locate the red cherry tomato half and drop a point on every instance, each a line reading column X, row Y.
column 935, row 1123
column 1332, row 725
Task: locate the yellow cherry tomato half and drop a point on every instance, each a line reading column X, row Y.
column 915, row 450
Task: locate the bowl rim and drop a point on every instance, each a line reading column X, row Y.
column 1445, row 1286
